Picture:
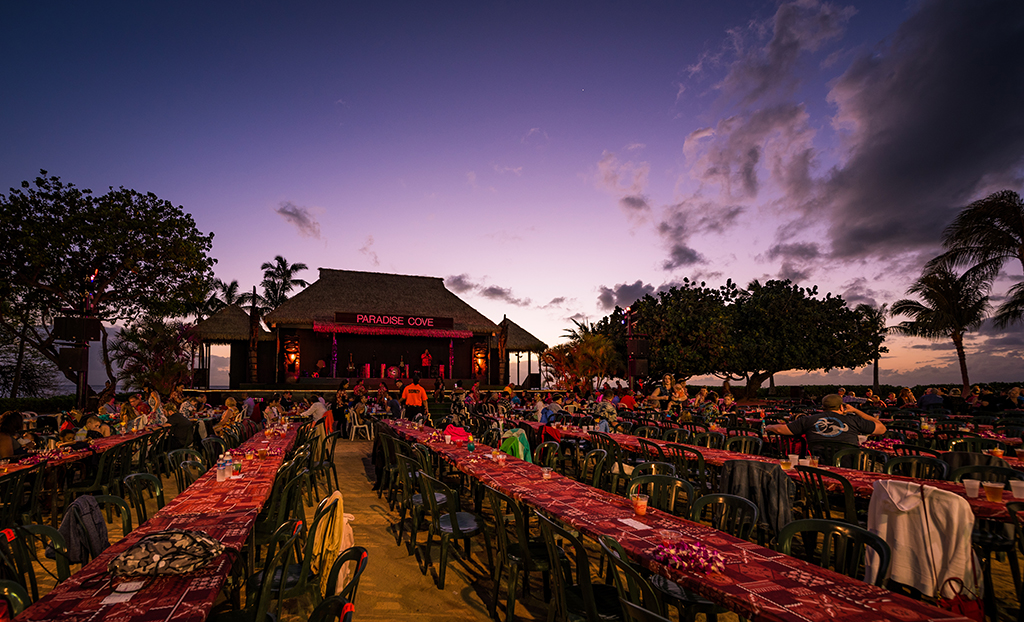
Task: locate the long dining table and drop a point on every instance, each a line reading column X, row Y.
column 863, row 482
column 757, row 583
column 224, row 510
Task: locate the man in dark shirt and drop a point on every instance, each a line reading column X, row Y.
column 840, row 423
column 182, row 430
column 286, row 401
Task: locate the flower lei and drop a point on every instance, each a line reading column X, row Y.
column 882, row 444
column 692, row 556
column 993, row 435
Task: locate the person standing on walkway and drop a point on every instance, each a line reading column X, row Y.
column 415, row 398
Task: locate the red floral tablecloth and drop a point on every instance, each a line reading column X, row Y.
column 224, row 510
column 863, row 482
column 757, row 583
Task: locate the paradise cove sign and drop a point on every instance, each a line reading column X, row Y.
column 398, row 321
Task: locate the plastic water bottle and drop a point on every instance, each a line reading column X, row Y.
column 221, row 471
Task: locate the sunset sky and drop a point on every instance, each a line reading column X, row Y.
column 549, row 159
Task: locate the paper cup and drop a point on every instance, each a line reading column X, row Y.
column 1017, row 486
column 972, row 487
column 447, row 439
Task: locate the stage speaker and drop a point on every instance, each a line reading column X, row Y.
column 76, row 329
column 638, row 367
column 638, row 347
column 73, row 359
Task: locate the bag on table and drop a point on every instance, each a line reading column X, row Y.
column 168, row 552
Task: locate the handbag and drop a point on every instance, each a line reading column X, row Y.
column 964, row 601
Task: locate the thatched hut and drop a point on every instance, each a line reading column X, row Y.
column 365, row 324
column 518, row 341
column 231, row 326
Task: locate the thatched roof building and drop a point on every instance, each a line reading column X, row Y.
column 229, row 324
column 521, row 341
column 340, row 292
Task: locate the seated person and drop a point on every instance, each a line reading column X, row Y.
column 316, row 410
column 548, row 412
column 93, row 428
column 840, row 423
column 182, row 430
column 230, row 417
column 11, row 429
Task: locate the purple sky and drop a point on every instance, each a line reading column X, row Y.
column 549, row 159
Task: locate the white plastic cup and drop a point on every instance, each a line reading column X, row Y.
column 794, row 459
column 972, row 486
column 1017, row 486
column 447, row 439
column 805, row 462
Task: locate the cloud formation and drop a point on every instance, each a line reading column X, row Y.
column 462, row 283
column 927, row 121
column 932, row 120
column 367, row 249
column 300, row 218
column 627, row 181
column 623, row 294
column 796, row 28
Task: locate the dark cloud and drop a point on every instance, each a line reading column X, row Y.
column 934, row 121
column 459, row 283
column 462, row 283
column 301, row 218
column 774, row 141
column 936, row 345
column 791, row 272
column 623, row 294
column 681, row 255
column 636, row 202
column 858, row 292
column 693, row 217
column 503, row 294
column 796, row 28
column 803, row 251
column 556, row 301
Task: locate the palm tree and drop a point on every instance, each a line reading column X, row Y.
column 279, row 280
column 874, row 323
column 983, row 237
column 229, row 292
column 952, row 307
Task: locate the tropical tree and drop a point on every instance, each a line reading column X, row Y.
column 229, row 293
column 279, row 280
column 950, row 307
column 689, row 328
column 873, row 322
column 779, row 326
column 983, row 237
column 117, row 257
column 154, row 352
column 587, row 356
